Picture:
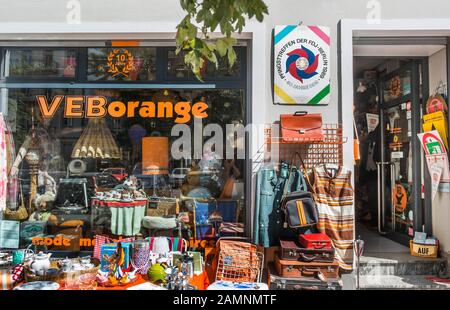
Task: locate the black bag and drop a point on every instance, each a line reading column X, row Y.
column 299, row 207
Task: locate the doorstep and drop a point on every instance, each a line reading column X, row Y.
column 400, row 264
column 418, row 282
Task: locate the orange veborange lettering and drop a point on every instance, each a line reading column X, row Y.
column 74, row 106
column 97, row 106
column 46, row 110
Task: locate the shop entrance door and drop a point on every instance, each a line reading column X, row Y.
column 399, row 171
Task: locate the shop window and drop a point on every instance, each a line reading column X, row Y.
column 177, row 69
column 40, row 63
column 87, row 167
column 121, row 64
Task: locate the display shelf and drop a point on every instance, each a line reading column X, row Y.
column 327, row 151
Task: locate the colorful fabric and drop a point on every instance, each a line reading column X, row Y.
column 126, row 217
column 175, row 244
column 334, row 200
column 3, row 164
column 17, row 273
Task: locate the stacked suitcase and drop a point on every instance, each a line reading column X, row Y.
column 308, row 263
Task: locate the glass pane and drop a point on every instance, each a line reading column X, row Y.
column 42, row 63
column 177, row 68
column 121, row 64
column 86, row 167
column 398, row 86
column 399, row 181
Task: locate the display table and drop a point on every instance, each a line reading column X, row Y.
column 126, row 217
column 199, row 281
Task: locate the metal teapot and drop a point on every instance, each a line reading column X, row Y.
column 40, row 263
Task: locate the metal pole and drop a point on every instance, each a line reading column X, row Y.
column 358, row 249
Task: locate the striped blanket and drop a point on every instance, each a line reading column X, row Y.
column 334, row 200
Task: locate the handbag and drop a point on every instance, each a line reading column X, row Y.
column 299, row 206
column 301, row 127
column 162, row 207
column 21, row 213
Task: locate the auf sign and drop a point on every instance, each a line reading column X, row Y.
column 98, row 107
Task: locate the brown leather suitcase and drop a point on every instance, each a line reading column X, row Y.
column 292, row 250
column 296, row 269
column 276, row 282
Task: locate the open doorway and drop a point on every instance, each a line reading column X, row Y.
column 392, row 189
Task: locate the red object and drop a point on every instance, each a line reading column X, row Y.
column 315, row 241
column 118, row 173
column 301, row 127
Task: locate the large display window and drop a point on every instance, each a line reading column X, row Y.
column 120, row 161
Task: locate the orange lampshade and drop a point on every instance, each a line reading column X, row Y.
column 155, row 155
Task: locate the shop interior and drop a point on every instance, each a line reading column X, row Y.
column 385, row 89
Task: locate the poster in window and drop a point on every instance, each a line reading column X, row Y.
column 301, row 65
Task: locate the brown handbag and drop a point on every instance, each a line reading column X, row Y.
column 162, row 207
column 21, row 213
column 301, row 127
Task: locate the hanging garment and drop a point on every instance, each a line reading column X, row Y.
column 12, row 185
column 269, row 218
column 334, row 200
column 3, row 164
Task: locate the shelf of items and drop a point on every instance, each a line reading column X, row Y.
column 327, row 151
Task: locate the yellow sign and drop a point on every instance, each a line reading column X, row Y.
column 436, row 121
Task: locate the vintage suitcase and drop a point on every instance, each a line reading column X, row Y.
column 315, row 241
column 291, row 250
column 297, row 269
column 277, row 282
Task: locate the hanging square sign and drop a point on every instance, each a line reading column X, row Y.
column 301, row 65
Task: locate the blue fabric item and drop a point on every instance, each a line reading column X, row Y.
column 228, row 210
column 202, row 212
column 269, row 218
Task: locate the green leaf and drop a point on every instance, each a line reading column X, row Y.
column 222, row 46
column 228, row 15
column 231, row 56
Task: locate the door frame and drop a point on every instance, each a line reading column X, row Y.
column 387, row 32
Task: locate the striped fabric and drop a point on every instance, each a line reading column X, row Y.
column 334, row 200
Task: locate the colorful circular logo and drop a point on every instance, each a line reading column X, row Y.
column 302, row 63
